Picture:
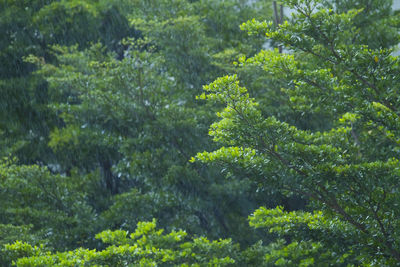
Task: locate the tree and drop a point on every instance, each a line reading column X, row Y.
column 44, row 209
column 121, row 124
column 122, row 118
column 30, row 27
column 122, row 114
column 348, row 171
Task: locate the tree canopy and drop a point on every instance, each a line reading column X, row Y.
column 114, row 156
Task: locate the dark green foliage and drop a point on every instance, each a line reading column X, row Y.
column 29, row 27
column 54, row 207
column 118, row 119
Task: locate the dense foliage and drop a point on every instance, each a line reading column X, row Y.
column 349, row 171
column 102, row 133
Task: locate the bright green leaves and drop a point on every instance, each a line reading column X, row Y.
column 325, row 59
column 347, row 169
column 225, row 89
column 311, row 27
column 227, row 154
column 334, row 244
column 117, row 237
column 147, row 246
column 273, row 62
column 276, row 220
column 23, row 250
column 242, row 124
column 320, row 122
column 9, row 234
column 256, row 27
column 295, row 254
column 239, row 107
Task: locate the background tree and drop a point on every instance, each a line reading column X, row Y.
column 30, row 27
column 120, row 116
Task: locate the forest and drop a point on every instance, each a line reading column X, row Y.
column 199, row 133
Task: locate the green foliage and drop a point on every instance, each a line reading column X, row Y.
column 348, row 170
column 122, row 117
column 132, row 119
column 376, row 17
column 10, row 233
column 29, row 27
column 102, row 94
column 191, row 35
column 53, row 206
column 314, row 239
column 147, row 246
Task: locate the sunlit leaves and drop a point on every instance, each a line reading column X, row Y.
column 147, row 246
column 348, row 168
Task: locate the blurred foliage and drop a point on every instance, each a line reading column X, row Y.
column 49, row 207
column 129, row 120
column 101, row 93
column 30, row 27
